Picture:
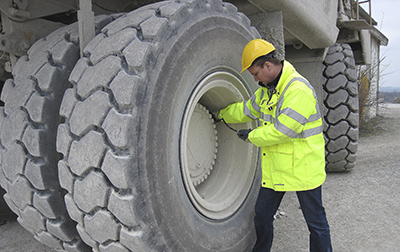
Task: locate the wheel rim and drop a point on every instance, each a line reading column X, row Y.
column 217, row 168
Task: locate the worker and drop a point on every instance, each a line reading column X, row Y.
column 291, row 140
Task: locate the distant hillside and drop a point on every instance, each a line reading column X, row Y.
column 386, row 89
column 389, row 96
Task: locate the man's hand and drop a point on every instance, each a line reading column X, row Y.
column 244, row 134
column 215, row 117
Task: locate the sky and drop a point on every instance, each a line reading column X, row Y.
column 387, row 14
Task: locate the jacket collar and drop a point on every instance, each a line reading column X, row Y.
column 287, row 71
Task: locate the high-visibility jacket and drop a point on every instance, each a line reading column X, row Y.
column 290, row 133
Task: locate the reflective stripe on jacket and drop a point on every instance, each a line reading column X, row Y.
column 290, row 135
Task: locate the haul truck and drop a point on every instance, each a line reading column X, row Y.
column 106, row 138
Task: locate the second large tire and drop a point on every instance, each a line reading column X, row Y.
column 145, row 166
column 341, row 109
column 29, row 121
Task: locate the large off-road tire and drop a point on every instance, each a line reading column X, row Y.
column 145, row 166
column 341, row 109
column 29, row 123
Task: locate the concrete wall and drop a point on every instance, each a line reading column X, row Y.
column 372, row 72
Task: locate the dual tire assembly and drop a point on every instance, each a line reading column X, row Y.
column 117, row 150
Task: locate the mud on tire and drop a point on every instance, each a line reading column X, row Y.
column 341, row 109
column 29, row 123
column 127, row 141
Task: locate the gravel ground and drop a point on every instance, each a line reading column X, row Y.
column 361, row 205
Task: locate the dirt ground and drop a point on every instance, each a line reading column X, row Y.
column 362, row 206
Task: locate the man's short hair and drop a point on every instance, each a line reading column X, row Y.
column 270, row 57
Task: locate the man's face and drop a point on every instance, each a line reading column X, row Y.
column 264, row 75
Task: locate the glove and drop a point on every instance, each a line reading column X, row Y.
column 244, row 134
column 214, row 116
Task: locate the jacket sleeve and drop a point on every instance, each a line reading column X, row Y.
column 298, row 105
column 241, row 112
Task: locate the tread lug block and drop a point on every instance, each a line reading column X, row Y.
column 2, row 115
column 23, row 224
column 124, row 89
column 333, row 116
column 174, row 9
column 64, row 53
column 338, row 166
column 99, row 76
column 352, row 147
column 41, row 175
column 116, row 131
column 335, row 69
column 353, row 134
column 68, row 103
column 78, row 70
column 49, row 240
column 115, row 44
column 91, row 192
column 82, row 157
column 353, row 89
column 352, row 102
column 86, row 238
column 63, row 139
column 351, row 158
column 62, row 230
column 334, row 157
column 337, row 130
column 48, row 204
column 350, row 165
column 132, row 239
column 33, row 219
column 335, row 57
column 46, row 76
column 351, row 74
column 34, row 102
column 151, row 27
column 140, row 50
column 21, row 192
column 11, row 204
column 3, row 180
column 118, row 170
column 13, row 162
column 98, row 108
column 13, row 127
column 123, row 207
column 66, row 177
column 77, row 246
column 30, row 140
column 335, row 48
column 73, row 210
column 336, row 145
column 334, row 84
column 29, row 65
column 101, row 226
column 113, row 247
column 337, row 98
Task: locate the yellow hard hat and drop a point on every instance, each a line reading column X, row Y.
column 253, row 50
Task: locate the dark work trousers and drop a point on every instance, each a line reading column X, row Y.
column 267, row 204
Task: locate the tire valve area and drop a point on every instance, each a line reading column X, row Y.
column 201, row 145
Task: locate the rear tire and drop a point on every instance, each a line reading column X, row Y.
column 29, row 123
column 341, row 109
column 138, row 177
